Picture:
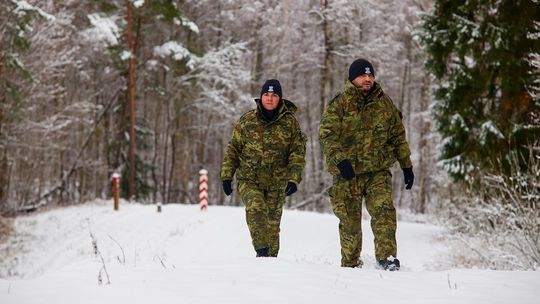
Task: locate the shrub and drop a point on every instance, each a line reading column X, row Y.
column 498, row 218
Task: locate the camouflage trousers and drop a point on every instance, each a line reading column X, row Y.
column 346, row 199
column 263, row 215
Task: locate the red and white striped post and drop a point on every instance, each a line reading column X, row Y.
column 115, row 189
column 203, row 189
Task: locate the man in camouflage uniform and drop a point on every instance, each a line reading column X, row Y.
column 267, row 151
column 362, row 136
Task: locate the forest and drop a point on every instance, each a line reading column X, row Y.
column 151, row 90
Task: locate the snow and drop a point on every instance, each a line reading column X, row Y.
column 104, row 32
column 172, row 48
column 152, row 64
column 125, row 55
column 23, row 6
column 534, row 60
column 487, row 128
column 458, row 121
column 187, row 23
column 455, row 165
column 138, row 3
column 182, row 255
column 536, row 34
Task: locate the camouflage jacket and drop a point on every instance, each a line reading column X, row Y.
column 366, row 130
column 267, row 153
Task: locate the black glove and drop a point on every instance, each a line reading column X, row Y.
column 346, row 169
column 227, row 187
column 408, row 177
column 291, row 188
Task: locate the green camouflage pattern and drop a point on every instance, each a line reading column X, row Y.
column 267, row 153
column 346, row 199
column 263, row 215
column 366, row 130
column 265, row 156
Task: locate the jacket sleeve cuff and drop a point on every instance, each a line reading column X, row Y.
column 226, row 175
column 405, row 162
column 295, row 178
column 338, row 157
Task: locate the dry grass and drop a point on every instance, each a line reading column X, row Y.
column 5, row 228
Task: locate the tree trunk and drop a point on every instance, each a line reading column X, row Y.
column 3, row 159
column 4, row 177
column 258, row 57
column 425, row 148
column 326, row 84
column 326, row 80
column 131, row 103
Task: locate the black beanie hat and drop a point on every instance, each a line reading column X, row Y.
column 360, row 67
column 272, row 85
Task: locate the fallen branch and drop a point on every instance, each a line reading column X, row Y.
column 98, row 253
column 160, row 260
column 123, row 261
column 312, row 199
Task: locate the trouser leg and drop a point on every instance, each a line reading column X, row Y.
column 383, row 214
column 347, row 207
column 275, row 200
column 256, row 214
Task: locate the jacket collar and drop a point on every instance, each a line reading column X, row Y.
column 358, row 94
column 285, row 106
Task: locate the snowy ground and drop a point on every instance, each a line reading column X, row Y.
column 183, row 255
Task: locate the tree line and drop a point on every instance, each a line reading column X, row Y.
column 89, row 90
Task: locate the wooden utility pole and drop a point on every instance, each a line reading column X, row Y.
column 131, row 102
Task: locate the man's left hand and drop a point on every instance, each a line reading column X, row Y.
column 291, row 188
column 408, row 177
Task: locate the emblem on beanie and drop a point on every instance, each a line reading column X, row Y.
column 368, row 71
column 272, row 85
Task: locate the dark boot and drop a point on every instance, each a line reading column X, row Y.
column 389, row 264
column 262, row 252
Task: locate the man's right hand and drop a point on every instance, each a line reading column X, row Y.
column 346, row 170
column 227, row 187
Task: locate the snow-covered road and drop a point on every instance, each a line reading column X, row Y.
column 183, row 255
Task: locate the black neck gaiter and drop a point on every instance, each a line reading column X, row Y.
column 269, row 116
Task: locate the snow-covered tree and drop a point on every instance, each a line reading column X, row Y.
column 308, row 46
column 157, row 54
column 198, row 65
column 14, row 24
column 533, row 85
column 20, row 33
column 480, row 51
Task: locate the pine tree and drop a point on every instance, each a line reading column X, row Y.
column 15, row 77
column 479, row 52
column 152, row 24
